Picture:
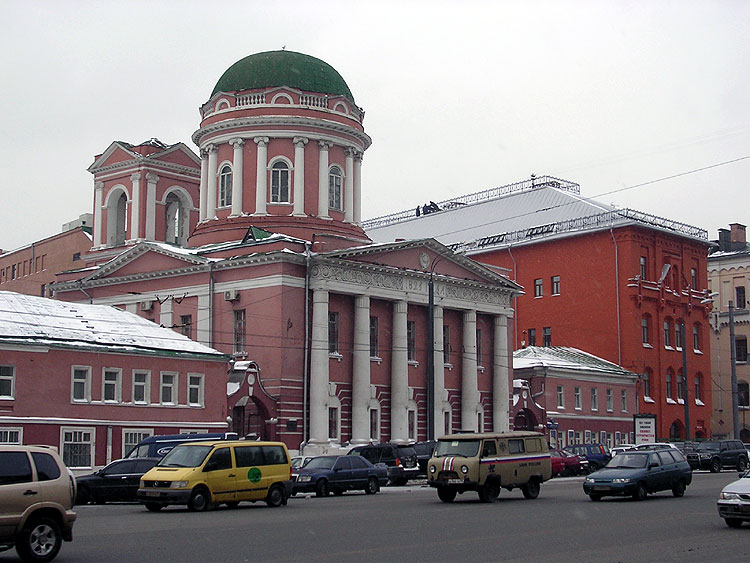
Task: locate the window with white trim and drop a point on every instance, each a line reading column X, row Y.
column 132, row 436
column 624, row 400
column 111, row 385
column 577, row 397
column 80, row 387
column 77, row 446
column 594, row 399
column 280, row 182
column 168, row 389
column 538, row 287
column 560, row 397
column 555, row 285
column 610, row 401
column 225, row 186
column 7, row 382
column 195, row 390
column 11, row 435
column 141, row 387
column 335, row 181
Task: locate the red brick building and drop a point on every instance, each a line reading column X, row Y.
column 616, row 283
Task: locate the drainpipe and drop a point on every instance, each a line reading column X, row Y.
column 211, row 304
column 617, row 287
column 306, row 366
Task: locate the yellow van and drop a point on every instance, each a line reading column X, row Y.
column 487, row 462
column 202, row 475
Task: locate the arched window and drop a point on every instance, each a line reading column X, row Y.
column 699, row 387
column 117, row 212
column 176, row 221
column 668, row 386
column 696, row 337
column 280, row 182
column 647, row 383
column 680, row 386
column 335, row 178
column 646, row 330
column 667, row 333
column 225, row 187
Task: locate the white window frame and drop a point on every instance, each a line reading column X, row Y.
column 226, row 179
column 200, row 386
column 623, row 400
column 91, row 442
column 610, row 400
column 560, row 397
column 142, row 433
column 335, row 188
column 556, row 285
column 146, row 387
column 577, row 398
column 594, row 399
column 6, row 430
column 174, row 387
column 117, row 383
column 283, row 191
column 12, row 379
column 87, row 384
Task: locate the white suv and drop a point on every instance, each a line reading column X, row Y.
column 37, row 493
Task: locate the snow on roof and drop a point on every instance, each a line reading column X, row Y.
column 27, row 319
column 563, row 357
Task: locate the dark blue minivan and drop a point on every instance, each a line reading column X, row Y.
column 158, row 446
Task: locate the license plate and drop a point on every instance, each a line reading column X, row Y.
column 454, row 481
column 601, row 488
column 152, row 493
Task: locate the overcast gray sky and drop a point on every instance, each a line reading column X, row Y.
column 459, row 96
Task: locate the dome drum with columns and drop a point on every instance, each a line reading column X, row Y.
column 281, row 146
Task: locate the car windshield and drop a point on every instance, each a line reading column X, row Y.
column 628, row 461
column 464, row 448
column 320, row 463
column 707, row 446
column 185, row 456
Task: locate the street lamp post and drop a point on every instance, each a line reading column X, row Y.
column 431, row 359
column 733, row 360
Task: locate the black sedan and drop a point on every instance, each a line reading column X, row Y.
column 336, row 474
column 118, row 481
column 638, row 473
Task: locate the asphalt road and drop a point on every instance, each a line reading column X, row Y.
column 410, row 524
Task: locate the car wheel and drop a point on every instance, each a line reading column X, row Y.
column 275, row 496
column 83, row 496
column 593, row 467
column 531, row 489
column 153, row 506
column 640, row 493
column 489, row 492
column 715, row 465
column 595, row 497
column 447, row 494
column 678, row 489
column 372, row 486
column 199, row 500
column 40, row 540
column 733, row 522
column 321, row 489
column 741, row 465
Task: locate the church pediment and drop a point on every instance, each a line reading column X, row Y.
column 115, row 154
column 147, row 259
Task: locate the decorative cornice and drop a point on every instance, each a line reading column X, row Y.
column 281, row 121
column 166, row 166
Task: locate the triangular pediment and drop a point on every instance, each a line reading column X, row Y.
column 116, row 153
column 179, row 154
column 427, row 256
column 147, row 259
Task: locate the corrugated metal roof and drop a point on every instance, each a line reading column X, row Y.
column 564, row 357
column 526, row 213
column 26, row 319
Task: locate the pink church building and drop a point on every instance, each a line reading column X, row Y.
column 255, row 248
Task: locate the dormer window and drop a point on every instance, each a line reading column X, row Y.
column 335, row 178
column 280, row 183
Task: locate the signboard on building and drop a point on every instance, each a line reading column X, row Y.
column 645, row 428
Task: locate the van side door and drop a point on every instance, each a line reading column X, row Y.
column 220, row 475
column 250, row 466
column 488, row 462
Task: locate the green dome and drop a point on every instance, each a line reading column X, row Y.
column 283, row 68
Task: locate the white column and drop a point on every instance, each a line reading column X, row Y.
column 165, row 314
column 319, row 369
column 135, row 207
column 261, row 176
column 500, row 376
column 469, row 386
column 203, row 187
column 203, row 321
column 439, row 363
column 357, row 199
column 151, row 180
column 361, row 371
column 323, row 180
column 237, row 174
column 299, row 175
column 98, row 195
column 349, row 187
column 399, row 375
column 211, row 182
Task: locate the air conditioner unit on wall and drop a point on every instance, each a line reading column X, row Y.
column 147, row 305
column 231, row 295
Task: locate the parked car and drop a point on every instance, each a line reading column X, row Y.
column 37, row 493
column 336, row 474
column 734, row 502
column 118, row 481
column 596, row 454
column 160, row 445
column 401, row 460
column 424, row 453
column 656, row 446
column 572, row 463
column 637, row 473
column 620, row 448
column 558, row 463
column 717, row 454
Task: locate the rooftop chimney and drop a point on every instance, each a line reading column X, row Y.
column 737, row 233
